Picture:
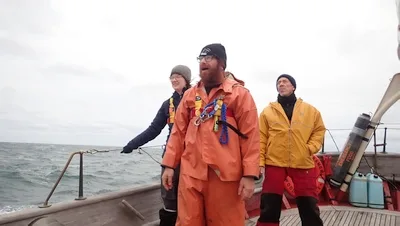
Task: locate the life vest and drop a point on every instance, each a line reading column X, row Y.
column 218, row 111
column 171, row 109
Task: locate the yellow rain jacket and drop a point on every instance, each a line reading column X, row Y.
column 286, row 144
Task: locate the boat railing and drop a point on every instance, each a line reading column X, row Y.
column 81, row 153
column 383, row 144
column 80, row 192
column 141, row 149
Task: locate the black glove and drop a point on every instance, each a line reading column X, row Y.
column 127, row 149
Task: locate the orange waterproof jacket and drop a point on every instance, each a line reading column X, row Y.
column 198, row 147
column 292, row 144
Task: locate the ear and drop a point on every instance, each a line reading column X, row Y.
column 220, row 66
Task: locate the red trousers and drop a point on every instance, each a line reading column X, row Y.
column 304, row 181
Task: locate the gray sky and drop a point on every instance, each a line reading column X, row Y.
column 80, row 72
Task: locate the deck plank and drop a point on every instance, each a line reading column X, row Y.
column 341, row 222
column 367, row 219
column 392, row 221
column 359, row 219
column 383, row 220
column 328, row 217
column 373, row 219
column 343, row 216
column 354, row 218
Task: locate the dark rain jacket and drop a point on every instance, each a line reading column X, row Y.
column 156, row 126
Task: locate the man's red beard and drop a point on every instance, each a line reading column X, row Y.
column 210, row 76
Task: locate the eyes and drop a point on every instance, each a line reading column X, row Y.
column 175, row 77
column 206, row 58
column 283, row 81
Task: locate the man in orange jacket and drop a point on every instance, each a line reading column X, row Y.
column 291, row 132
column 219, row 162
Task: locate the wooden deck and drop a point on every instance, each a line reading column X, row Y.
column 343, row 216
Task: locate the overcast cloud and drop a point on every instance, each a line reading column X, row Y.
column 81, row 72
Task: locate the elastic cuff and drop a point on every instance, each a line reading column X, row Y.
column 167, row 167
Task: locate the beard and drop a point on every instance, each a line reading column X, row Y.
column 210, row 76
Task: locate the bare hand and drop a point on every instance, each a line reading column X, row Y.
column 167, row 178
column 246, row 187
column 262, row 170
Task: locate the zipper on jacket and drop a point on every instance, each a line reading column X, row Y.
column 289, row 143
column 290, row 131
column 290, row 127
column 289, row 135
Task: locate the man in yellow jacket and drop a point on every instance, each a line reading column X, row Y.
column 291, row 132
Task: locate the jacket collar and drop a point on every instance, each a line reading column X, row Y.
column 226, row 85
column 176, row 94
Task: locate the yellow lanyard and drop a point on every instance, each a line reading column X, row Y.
column 171, row 110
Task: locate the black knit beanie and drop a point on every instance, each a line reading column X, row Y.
column 215, row 49
column 290, row 78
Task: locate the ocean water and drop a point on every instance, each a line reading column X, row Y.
column 29, row 171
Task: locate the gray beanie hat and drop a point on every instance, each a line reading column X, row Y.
column 184, row 71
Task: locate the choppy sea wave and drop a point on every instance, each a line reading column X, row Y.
column 29, row 171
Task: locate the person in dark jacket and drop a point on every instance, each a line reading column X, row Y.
column 180, row 80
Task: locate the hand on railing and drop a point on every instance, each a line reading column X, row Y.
column 127, row 149
column 94, row 151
